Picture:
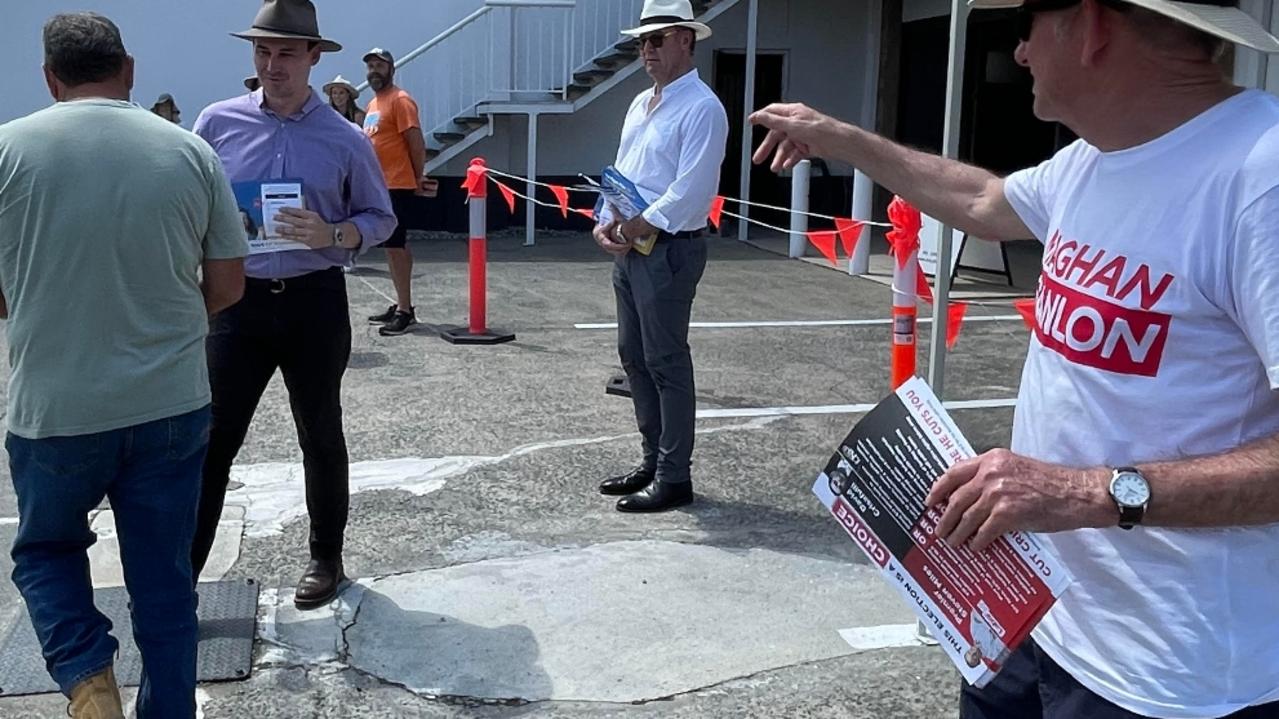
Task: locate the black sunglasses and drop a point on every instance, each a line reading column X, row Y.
column 1026, row 14
column 656, row 39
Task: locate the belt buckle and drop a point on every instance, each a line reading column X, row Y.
column 276, row 287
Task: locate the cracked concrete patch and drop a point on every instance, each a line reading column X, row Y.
column 621, row 622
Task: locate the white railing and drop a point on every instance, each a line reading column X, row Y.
column 522, row 50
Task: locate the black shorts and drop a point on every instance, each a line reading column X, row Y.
column 404, row 205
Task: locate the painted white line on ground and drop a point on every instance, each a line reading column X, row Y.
column 369, row 285
column 837, row 409
column 8, row 521
column 796, row 323
column 885, row 636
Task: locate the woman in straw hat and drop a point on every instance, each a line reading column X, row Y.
column 342, row 96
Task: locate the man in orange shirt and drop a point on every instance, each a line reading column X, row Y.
column 392, row 122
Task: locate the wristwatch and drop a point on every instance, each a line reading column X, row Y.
column 1131, row 492
column 337, row 235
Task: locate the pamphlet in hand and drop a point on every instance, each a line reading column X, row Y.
column 979, row 607
column 625, row 200
column 259, row 202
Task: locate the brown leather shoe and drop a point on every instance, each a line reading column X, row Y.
column 629, row 483
column 97, row 697
column 319, row 584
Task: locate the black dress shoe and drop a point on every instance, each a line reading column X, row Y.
column 631, row 483
column 319, row 584
column 657, row 497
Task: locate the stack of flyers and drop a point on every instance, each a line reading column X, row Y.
column 620, row 194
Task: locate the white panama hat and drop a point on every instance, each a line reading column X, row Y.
column 661, row 14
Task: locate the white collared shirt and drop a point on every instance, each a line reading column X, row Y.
column 673, row 153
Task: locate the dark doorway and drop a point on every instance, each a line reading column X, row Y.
column 730, row 85
column 999, row 130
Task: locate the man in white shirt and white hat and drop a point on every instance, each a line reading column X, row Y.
column 672, row 147
column 1146, row 438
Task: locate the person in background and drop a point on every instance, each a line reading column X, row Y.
column 672, row 146
column 396, row 130
column 168, row 109
column 342, row 96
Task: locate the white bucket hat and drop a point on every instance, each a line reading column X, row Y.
column 340, row 81
column 661, row 14
column 1227, row 23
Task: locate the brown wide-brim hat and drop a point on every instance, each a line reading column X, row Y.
column 288, row 20
column 1228, row 23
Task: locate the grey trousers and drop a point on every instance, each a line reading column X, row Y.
column 654, row 300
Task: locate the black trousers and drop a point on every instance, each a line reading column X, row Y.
column 654, row 300
column 302, row 327
column 1032, row 686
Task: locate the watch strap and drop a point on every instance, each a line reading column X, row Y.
column 1129, row 517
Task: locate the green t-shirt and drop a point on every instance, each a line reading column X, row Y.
column 106, row 214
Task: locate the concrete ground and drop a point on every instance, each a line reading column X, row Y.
column 492, row 580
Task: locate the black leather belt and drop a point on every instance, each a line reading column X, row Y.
column 320, row 279
column 685, row 235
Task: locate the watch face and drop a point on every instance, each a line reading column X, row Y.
column 1130, row 489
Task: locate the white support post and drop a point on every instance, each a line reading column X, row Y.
column 530, row 208
column 748, row 103
column 950, row 148
column 799, row 181
column 863, row 186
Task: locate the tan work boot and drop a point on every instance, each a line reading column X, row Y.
column 97, row 697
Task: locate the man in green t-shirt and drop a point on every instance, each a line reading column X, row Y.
column 125, row 222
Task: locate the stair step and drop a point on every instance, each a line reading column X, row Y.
column 616, row 60
column 448, row 137
column 591, row 78
column 471, row 120
column 630, row 45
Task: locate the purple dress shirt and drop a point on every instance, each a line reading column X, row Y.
column 341, row 178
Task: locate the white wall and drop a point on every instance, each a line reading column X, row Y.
column 1252, row 69
column 182, row 46
column 824, row 68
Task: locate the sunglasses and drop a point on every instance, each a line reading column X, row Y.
column 656, row 39
column 1026, row 14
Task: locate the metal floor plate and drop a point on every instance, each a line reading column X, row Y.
column 228, row 617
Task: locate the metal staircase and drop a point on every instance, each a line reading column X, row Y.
column 522, row 57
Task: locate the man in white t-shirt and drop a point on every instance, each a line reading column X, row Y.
column 1146, row 437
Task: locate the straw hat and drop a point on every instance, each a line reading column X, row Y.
column 340, row 81
column 661, row 14
column 288, row 20
column 1227, row 23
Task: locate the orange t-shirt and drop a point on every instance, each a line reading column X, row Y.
column 388, row 115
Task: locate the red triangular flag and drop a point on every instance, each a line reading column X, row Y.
column 825, row 242
column 922, row 290
column 561, row 194
column 1026, row 308
column 507, row 193
column 717, row 211
column 954, row 320
column 850, row 231
column 588, row 214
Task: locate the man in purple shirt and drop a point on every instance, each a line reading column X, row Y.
column 294, row 314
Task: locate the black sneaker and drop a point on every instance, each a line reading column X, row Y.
column 399, row 324
column 384, row 317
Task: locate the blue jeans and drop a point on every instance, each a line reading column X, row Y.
column 151, row 474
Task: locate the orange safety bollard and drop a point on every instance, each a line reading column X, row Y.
column 904, row 239
column 477, row 331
